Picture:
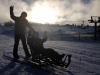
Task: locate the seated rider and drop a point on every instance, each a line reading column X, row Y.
column 36, row 45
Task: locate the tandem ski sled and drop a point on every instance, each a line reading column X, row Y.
column 41, row 60
column 46, row 64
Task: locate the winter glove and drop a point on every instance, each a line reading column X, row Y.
column 11, row 8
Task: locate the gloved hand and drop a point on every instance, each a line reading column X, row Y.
column 11, row 8
column 45, row 34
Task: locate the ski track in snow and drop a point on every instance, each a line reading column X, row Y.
column 85, row 57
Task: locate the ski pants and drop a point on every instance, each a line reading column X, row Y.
column 17, row 38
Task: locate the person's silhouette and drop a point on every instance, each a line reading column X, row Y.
column 36, row 46
column 19, row 34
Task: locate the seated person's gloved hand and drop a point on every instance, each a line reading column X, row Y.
column 45, row 34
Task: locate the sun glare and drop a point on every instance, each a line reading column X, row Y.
column 41, row 14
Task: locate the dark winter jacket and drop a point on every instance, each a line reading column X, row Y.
column 20, row 24
column 36, row 43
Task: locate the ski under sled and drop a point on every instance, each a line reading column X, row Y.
column 42, row 61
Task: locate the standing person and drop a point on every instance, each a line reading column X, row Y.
column 19, row 34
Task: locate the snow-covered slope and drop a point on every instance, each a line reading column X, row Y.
column 85, row 57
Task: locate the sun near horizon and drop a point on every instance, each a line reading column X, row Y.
column 42, row 14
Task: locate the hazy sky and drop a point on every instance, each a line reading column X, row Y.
column 51, row 11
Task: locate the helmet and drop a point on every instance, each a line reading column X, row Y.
column 35, row 34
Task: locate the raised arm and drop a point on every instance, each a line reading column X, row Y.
column 11, row 13
column 44, row 37
column 45, row 34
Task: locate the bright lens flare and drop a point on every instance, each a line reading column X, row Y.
column 42, row 14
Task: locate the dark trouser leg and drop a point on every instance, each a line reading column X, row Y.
column 15, row 49
column 51, row 53
column 23, row 39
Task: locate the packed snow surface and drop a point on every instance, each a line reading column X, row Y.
column 85, row 56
